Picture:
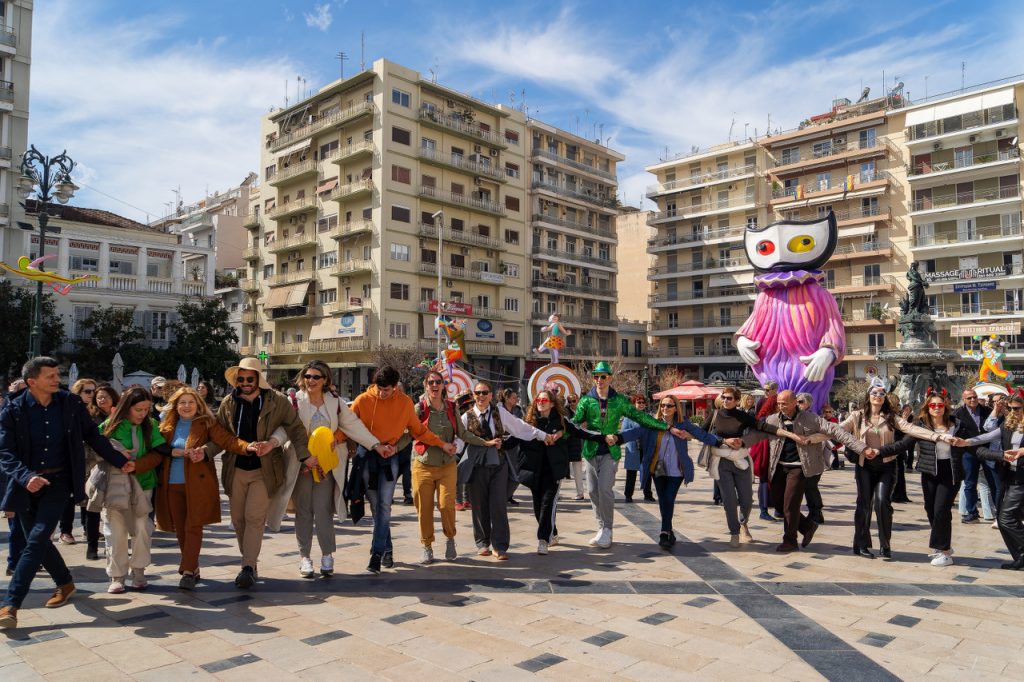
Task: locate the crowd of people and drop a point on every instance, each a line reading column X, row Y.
column 144, row 460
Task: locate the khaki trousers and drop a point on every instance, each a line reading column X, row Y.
column 122, row 525
column 430, row 483
column 248, row 503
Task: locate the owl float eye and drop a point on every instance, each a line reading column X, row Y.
column 801, row 244
column 765, row 248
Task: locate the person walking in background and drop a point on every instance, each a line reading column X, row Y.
column 815, row 505
column 509, row 399
column 100, row 410
column 206, row 393
column 42, row 462
column 85, row 389
column 761, row 458
column 633, row 455
column 156, row 391
column 575, row 451
column 970, row 418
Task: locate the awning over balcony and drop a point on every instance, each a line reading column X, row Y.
column 858, row 231
column 963, row 106
column 344, row 327
column 731, row 280
column 297, row 147
column 327, row 186
column 286, row 297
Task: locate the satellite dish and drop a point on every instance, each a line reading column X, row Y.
column 864, row 94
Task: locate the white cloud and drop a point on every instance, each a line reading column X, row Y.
column 320, row 18
column 143, row 116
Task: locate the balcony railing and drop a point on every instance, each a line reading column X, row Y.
column 339, row 307
column 8, row 37
column 578, row 256
column 292, row 207
column 343, row 192
column 321, row 123
column 708, row 264
column 682, row 212
column 352, row 229
column 979, row 309
column 250, row 317
column 475, row 166
column 855, row 213
column 458, row 124
column 478, row 311
column 248, row 350
column 290, row 277
column 251, row 253
column 732, row 232
column 469, row 201
column 807, row 189
column 573, row 225
column 296, row 241
column 249, row 285
column 7, row 91
column 293, row 171
column 573, row 163
column 919, row 169
column 973, row 196
column 351, row 267
column 459, row 236
column 691, row 351
column 700, row 179
column 833, row 150
column 576, row 192
column 864, row 281
column 591, row 320
column 708, row 295
column 252, row 221
column 321, row 346
column 861, row 247
column 342, row 153
column 972, row 235
column 562, row 285
column 963, row 122
column 456, row 272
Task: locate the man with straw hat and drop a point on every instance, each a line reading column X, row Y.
column 256, row 413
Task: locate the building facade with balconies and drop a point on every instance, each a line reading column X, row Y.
column 963, row 179
column 15, row 65
column 344, row 247
column 573, row 204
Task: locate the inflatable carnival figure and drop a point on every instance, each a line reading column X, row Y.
column 455, row 349
column 795, row 335
column 62, row 285
column 555, row 341
column 991, row 357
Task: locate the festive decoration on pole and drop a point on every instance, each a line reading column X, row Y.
column 27, row 268
column 554, row 342
column 993, row 349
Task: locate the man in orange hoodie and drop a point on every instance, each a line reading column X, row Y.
column 387, row 413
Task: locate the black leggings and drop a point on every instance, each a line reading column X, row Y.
column 939, row 491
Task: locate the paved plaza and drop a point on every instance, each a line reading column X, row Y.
column 634, row 611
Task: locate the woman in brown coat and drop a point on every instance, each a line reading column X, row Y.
column 188, row 496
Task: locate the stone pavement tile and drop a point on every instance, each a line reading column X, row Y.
column 527, row 635
column 499, row 672
column 338, row 670
column 421, row 670
column 717, row 650
column 489, row 648
column 498, row 607
column 173, row 673
column 448, row 656
column 136, row 656
column 364, row 653
column 797, row 671
column 605, row 658
column 19, row 672
column 100, row 671
column 906, row 665
column 681, row 656
column 100, row 631
column 655, row 633
column 560, row 626
column 290, row 654
column 56, row 655
column 645, row 671
column 240, row 631
column 204, row 650
column 574, row 670
column 259, row 670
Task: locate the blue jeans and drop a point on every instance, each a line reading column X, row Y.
column 380, row 493
column 972, row 464
column 38, row 522
column 668, row 488
column 15, row 542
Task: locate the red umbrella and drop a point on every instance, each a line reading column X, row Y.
column 690, row 390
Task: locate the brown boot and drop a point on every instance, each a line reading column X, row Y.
column 61, row 595
column 8, row 617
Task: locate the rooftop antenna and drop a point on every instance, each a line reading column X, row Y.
column 731, row 126
column 963, row 74
column 864, row 94
column 362, row 51
column 285, row 93
column 342, row 58
column 926, row 86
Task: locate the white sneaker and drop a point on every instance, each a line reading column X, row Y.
column 554, row 540
column 428, row 555
column 116, row 586
column 942, row 559
column 605, row 540
column 306, row 567
column 995, row 524
column 327, row 565
column 542, row 547
column 139, row 579
column 596, row 540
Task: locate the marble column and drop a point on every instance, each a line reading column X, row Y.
column 63, row 266
column 177, row 272
column 104, row 264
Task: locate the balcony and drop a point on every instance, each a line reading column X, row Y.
column 248, row 350
column 354, row 150
column 478, row 312
column 8, row 37
column 707, row 266
column 290, row 278
column 850, row 252
column 251, row 253
column 292, row 208
column 578, row 193
column 352, row 267
column 861, row 321
column 975, row 237
column 563, row 256
column 582, row 320
column 342, row 307
column 470, row 201
column 978, row 310
column 944, row 168
column 250, row 317
column 702, row 180
column 703, row 296
column 812, row 190
column 456, row 123
column 293, row 312
column 252, row 221
column 864, row 286
column 585, row 229
column 355, row 228
column 455, row 272
column 475, row 164
column 294, row 172
column 6, row 91
column 459, row 236
column 695, row 210
column 573, row 163
column 732, row 233
column 697, row 325
column 352, row 190
column 697, row 353
column 560, row 285
column 954, row 200
column 324, row 123
column 321, row 346
column 301, row 240
column 249, row 285
column 856, row 214
column 583, row 352
column 832, row 155
column 962, row 123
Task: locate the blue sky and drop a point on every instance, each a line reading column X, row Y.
column 152, row 96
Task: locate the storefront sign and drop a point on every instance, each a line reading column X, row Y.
column 451, row 307
column 492, row 277
column 1000, row 328
column 973, row 286
column 967, row 273
column 727, row 374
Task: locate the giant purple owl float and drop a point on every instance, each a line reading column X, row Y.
column 795, row 335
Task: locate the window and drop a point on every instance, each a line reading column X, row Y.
column 457, row 224
column 512, row 170
column 399, row 292
column 327, row 259
column 328, row 296
column 638, row 348
column 511, row 236
column 83, row 264
column 512, row 137
column 269, row 171
column 791, row 155
column 625, row 348
column 398, row 330
column 458, row 260
column 426, row 294
column 428, row 181
column 866, row 138
column 455, row 296
column 400, row 174
column 400, row 97
column 401, row 136
column 512, row 305
column 326, row 224
column 511, row 338
column 458, row 188
column 511, row 270
column 399, row 252
column 268, row 338
column 401, row 214
column 483, row 302
column 673, row 320
column 512, row 203
column 876, row 343
column 82, row 313
column 428, row 256
column 821, row 149
column 824, row 180
column 157, row 325
column 268, row 271
column 428, row 145
column 483, row 230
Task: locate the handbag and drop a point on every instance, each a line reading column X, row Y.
column 704, row 457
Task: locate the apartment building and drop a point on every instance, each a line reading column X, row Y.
column 573, row 203
column 138, row 266
column 370, row 189
column 962, row 182
column 634, row 262
column 15, row 64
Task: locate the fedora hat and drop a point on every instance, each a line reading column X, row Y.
column 251, row 364
column 602, row 367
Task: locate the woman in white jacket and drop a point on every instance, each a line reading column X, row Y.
column 318, row 405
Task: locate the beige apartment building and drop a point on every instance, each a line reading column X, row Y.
column 962, row 191
column 573, row 207
column 635, row 287
column 15, row 65
column 344, row 251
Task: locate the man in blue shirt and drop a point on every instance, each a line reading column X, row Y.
column 43, row 431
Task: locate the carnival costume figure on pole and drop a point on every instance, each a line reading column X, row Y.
column 555, row 342
column 455, row 349
column 795, row 335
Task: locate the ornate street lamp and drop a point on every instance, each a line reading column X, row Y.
column 49, row 179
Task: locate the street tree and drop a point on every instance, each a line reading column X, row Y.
column 202, row 337
column 106, row 332
column 16, row 311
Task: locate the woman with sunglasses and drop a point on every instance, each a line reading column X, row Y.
column 666, row 460
column 546, row 462
column 319, row 405
column 575, row 451
column 878, row 425
column 941, row 467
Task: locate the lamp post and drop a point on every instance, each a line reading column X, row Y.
column 49, row 178
column 439, row 219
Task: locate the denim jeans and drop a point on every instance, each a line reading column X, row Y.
column 972, row 464
column 668, row 488
column 38, row 522
column 380, row 493
column 15, row 542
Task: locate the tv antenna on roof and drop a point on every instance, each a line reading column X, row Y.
column 342, row 58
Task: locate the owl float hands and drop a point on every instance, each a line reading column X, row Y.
column 795, row 335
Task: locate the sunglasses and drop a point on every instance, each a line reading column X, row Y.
column 732, row 397
column 800, row 401
column 600, row 376
column 877, row 394
column 542, row 401
column 312, row 377
column 244, row 380
column 87, row 391
column 971, row 397
column 481, row 392
column 936, row 406
column 668, row 405
column 435, row 382
column 1015, row 409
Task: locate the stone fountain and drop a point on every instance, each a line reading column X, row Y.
column 922, row 363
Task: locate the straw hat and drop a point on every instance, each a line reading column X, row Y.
column 250, row 364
